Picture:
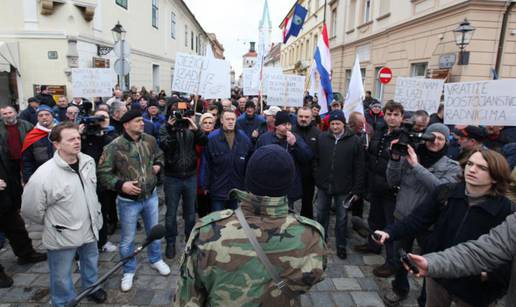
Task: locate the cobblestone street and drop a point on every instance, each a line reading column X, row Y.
column 348, row 283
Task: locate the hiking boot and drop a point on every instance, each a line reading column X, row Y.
column 170, row 251
column 32, row 258
column 364, row 248
column 99, row 296
column 341, row 253
column 5, row 280
column 393, row 298
column 384, row 271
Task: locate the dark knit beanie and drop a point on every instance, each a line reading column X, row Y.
column 282, row 117
column 130, row 115
column 337, row 115
column 270, row 171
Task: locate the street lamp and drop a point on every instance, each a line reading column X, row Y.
column 463, row 35
column 118, row 32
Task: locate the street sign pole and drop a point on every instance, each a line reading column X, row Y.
column 381, row 93
column 122, row 74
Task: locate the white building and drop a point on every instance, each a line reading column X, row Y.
column 42, row 40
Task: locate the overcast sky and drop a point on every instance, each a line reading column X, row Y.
column 235, row 22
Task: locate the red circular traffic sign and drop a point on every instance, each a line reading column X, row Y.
column 385, row 75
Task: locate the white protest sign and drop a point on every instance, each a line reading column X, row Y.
column 490, row 102
column 187, row 72
column 275, row 87
column 251, row 81
column 215, row 79
column 419, row 94
column 295, row 90
column 93, row 82
column 203, row 76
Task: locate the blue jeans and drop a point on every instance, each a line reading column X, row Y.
column 323, row 216
column 218, row 204
column 174, row 189
column 60, row 264
column 129, row 210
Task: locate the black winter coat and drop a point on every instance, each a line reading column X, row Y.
column 340, row 165
column 377, row 158
column 310, row 135
column 178, row 146
column 455, row 221
column 8, row 196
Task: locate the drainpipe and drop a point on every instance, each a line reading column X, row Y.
column 501, row 40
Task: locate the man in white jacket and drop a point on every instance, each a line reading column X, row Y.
column 61, row 196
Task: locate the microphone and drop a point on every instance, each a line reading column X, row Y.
column 156, row 233
column 361, row 224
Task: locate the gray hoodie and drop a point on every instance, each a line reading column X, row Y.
column 485, row 254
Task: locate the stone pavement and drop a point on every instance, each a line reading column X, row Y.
column 348, row 283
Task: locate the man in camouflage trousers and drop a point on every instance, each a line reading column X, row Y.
column 220, row 266
column 129, row 165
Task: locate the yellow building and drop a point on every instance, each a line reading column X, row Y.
column 416, row 38
column 45, row 39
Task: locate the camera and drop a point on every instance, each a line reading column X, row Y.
column 406, row 136
column 93, row 125
column 180, row 114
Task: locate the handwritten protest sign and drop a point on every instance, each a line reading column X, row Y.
column 295, row 90
column 215, row 79
column 93, row 82
column 203, row 76
column 419, row 94
column 251, row 81
column 284, row 90
column 480, row 103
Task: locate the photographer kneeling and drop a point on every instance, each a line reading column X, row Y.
column 179, row 136
column 417, row 173
column 96, row 132
column 461, row 212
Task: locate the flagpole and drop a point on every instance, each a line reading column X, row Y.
column 324, row 17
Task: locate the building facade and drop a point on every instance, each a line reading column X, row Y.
column 46, row 39
column 415, row 38
column 273, row 57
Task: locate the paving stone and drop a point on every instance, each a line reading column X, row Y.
column 342, row 299
column 163, row 297
column 40, row 267
column 363, row 299
column 321, row 298
column 367, row 284
column 373, row 259
column 305, row 300
column 353, row 271
column 325, row 285
column 143, row 297
column 346, row 284
column 18, row 295
column 24, row 279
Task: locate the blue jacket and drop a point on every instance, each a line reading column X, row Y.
column 248, row 125
column 157, row 121
column 300, row 152
column 225, row 167
column 151, row 129
column 29, row 115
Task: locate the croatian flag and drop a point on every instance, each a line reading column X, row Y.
column 322, row 59
column 294, row 24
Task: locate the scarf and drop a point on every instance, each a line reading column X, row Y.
column 428, row 158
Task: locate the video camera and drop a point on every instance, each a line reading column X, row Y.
column 93, row 125
column 407, row 136
column 180, row 114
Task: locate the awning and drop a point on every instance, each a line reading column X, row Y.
column 9, row 55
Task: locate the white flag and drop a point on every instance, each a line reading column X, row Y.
column 313, row 79
column 355, row 96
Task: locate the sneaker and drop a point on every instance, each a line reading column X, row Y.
column 127, row 282
column 32, row 258
column 383, row 271
column 161, row 267
column 170, row 251
column 5, row 280
column 99, row 296
column 109, row 247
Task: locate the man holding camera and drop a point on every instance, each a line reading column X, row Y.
column 382, row 197
column 178, row 140
column 417, row 175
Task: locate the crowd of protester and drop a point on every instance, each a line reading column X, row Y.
column 103, row 160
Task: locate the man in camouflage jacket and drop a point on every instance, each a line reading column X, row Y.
column 220, row 266
column 129, row 165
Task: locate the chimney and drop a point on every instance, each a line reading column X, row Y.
column 251, row 47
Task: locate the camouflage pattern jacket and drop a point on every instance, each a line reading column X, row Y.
column 127, row 160
column 220, row 267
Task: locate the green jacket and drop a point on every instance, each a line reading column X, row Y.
column 23, row 126
column 127, row 160
column 220, row 268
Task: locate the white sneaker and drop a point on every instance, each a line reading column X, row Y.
column 127, row 282
column 161, row 267
column 109, row 247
